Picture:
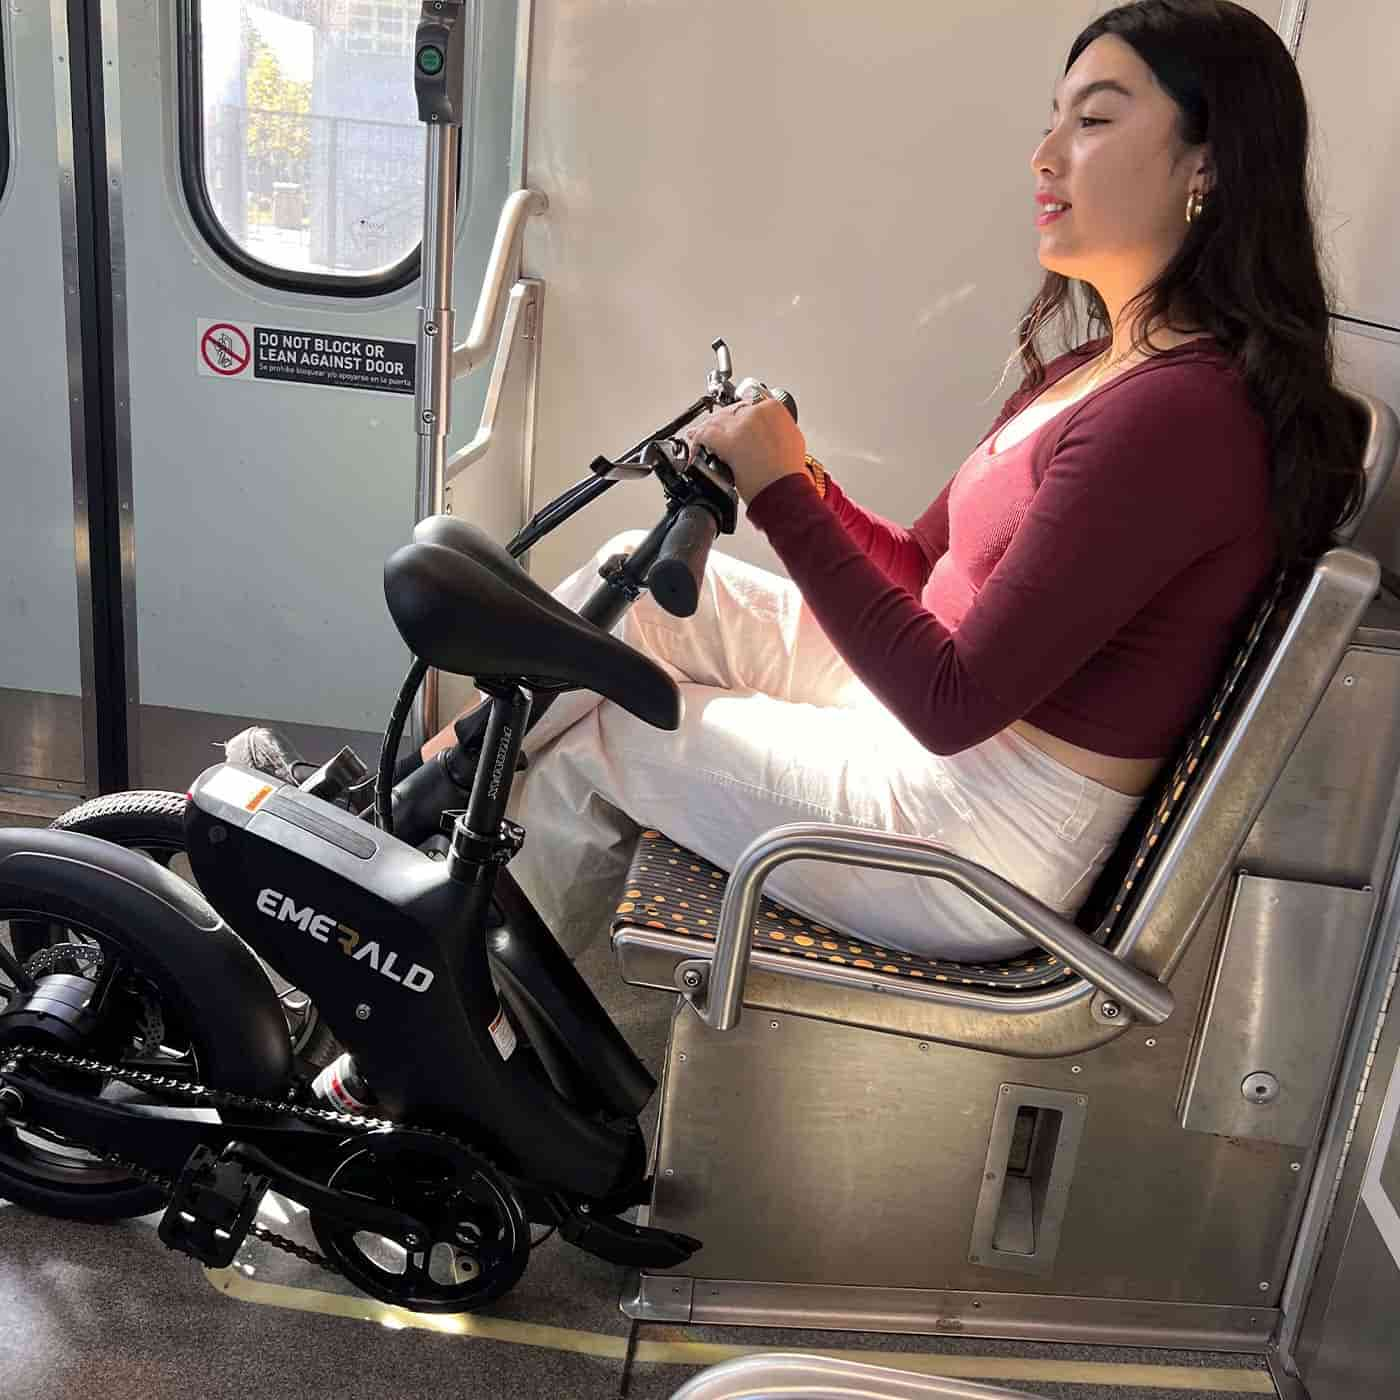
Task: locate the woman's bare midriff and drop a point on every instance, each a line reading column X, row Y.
column 1132, row 776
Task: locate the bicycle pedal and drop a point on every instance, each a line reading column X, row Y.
column 213, row 1207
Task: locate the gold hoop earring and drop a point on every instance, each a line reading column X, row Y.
column 1195, row 204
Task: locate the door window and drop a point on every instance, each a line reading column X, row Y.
column 302, row 153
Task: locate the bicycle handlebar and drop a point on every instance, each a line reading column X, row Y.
column 679, row 571
column 702, row 504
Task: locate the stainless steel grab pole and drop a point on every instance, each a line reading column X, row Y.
column 436, row 318
column 436, row 324
column 439, row 76
column 720, row 1003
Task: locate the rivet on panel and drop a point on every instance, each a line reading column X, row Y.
column 1076, row 1069
column 1264, row 1287
column 1150, row 1044
column 1348, row 680
column 681, row 1055
column 923, row 1045
column 1295, row 1166
column 670, row 1171
column 772, row 1025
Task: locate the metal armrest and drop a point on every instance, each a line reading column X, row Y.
column 718, row 1002
column 827, row 1378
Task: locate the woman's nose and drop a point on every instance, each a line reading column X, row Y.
column 1045, row 157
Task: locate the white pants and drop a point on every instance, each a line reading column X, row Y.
column 777, row 728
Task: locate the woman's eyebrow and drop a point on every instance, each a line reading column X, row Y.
column 1103, row 85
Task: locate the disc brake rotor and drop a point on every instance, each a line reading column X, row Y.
column 480, row 1236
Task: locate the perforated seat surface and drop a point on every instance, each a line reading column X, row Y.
column 673, row 889
column 670, row 889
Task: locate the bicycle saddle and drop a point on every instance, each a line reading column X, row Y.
column 464, row 605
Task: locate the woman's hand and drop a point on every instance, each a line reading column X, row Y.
column 756, row 439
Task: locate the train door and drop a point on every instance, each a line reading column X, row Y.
column 265, row 169
column 47, row 696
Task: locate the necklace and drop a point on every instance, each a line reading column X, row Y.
column 1103, row 369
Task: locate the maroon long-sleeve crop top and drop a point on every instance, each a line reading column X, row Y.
column 1088, row 579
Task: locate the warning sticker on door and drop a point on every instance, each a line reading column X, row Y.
column 239, row 350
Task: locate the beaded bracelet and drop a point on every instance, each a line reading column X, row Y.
column 818, row 474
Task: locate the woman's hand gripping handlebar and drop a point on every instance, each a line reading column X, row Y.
column 675, row 578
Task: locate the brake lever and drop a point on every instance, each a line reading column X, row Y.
column 618, row 471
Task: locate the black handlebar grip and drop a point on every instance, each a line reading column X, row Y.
column 679, row 570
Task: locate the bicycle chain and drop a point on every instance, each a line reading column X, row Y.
column 12, row 1056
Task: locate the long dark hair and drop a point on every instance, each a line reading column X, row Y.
column 1248, row 272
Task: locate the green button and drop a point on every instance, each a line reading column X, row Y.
column 430, row 59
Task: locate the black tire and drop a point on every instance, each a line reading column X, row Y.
column 54, row 1177
column 154, row 822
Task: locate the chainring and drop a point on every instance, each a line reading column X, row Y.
column 481, row 1236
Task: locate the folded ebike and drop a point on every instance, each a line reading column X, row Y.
column 145, row 1059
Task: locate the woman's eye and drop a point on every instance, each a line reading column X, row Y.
column 1092, row 121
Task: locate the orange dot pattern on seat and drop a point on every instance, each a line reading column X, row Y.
column 672, row 890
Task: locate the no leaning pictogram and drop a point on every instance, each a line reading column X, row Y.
column 225, row 349
column 240, row 352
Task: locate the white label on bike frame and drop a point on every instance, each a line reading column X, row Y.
column 238, row 789
column 503, row 1033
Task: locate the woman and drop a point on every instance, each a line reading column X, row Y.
column 1008, row 676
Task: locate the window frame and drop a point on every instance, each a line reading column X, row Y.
column 4, row 109
column 194, row 182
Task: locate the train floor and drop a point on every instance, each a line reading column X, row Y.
column 107, row 1311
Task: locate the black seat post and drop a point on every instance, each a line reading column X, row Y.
column 481, row 841
column 506, row 723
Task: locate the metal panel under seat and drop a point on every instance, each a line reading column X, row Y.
column 1276, row 1008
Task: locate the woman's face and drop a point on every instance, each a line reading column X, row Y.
column 1113, row 153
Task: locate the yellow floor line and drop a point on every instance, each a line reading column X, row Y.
column 535, row 1334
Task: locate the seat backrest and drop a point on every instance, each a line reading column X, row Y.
column 1378, row 456
column 1118, row 888
column 1114, row 912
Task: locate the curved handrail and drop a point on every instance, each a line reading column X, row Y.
column 720, row 1001
column 477, row 448
column 516, row 210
